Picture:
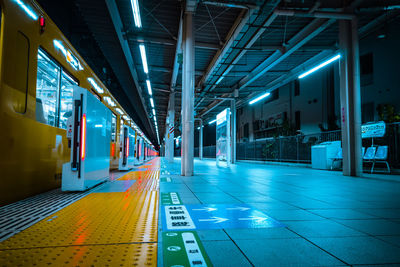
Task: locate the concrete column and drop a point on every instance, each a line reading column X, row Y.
column 169, row 136
column 201, row 141
column 188, row 95
column 233, row 131
column 350, row 98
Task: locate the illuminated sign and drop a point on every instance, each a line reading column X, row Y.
column 69, row 57
column 372, row 130
column 221, row 117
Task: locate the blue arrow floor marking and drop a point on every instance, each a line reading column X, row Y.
column 216, row 216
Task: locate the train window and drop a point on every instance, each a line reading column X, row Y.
column 113, row 126
column 47, row 93
column 21, row 64
column 66, row 95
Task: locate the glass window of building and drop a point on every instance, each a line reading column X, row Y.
column 48, row 80
column 66, row 102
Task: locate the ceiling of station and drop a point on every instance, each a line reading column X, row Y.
column 242, row 48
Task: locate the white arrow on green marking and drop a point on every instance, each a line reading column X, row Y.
column 214, row 219
column 254, row 218
column 207, row 209
column 238, row 208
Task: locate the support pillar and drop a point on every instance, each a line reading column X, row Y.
column 350, row 98
column 201, row 141
column 233, row 130
column 169, row 135
column 188, row 92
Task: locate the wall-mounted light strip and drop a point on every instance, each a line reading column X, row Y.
column 213, row 121
column 149, row 87
column 144, row 58
column 323, row 64
column 27, row 9
column 69, row 57
column 95, row 86
column 136, row 13
column 259, row 98
column 109, row 101
column 119, row 111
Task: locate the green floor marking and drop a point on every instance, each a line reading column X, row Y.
column 183, row 249
column 171, row 198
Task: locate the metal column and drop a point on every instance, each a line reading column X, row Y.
column 350, row 98
column 169, row 135
column 201, row 140
column 188, row 94
column 233, row 130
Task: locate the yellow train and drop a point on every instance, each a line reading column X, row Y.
column 37, row 71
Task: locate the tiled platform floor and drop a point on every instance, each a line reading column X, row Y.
column 331, row 220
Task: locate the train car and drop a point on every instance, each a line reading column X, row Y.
column 127, row 148
column 38, row 70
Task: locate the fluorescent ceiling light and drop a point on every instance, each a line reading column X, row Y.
column 152, row 102
column 154, row 112
column 323, row 64
column 27, row 9
column 213, row 121
column 219, row 80
column 95, row 86
column 136, row 13
column 144, row 58
column 149, row 87
column 259, row 98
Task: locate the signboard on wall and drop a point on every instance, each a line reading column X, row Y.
column 373, row 130
column 223, row 149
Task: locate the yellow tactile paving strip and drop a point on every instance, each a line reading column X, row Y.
column 95, row 228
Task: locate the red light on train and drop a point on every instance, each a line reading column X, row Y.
column 42, row 24
column 83, row 136
column 113, row 150
column 127, row 146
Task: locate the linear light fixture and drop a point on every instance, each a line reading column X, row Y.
column 219, row 80
column 213, row 121
column 154, row 112
column 149, row 87
column 142, row 49
column 259, row 98
column 119, row 111
column 136, row 13
column 96, row 86
column 152, row 102
column 27, row 10
column 323, row 64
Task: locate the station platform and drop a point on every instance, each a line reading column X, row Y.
column 242, row 215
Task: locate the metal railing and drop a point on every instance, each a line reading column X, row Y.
column 298, row 148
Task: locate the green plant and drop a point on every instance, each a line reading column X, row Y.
column 269, row 151
column 387, row 113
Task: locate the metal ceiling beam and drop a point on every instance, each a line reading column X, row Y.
column 315, row 14
column 231, row 5
column 116, row 19
column 167, row 41
column 291, row 75
column 377, row 22
column 298, row 40
column 236, row 29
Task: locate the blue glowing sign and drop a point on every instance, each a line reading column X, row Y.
column 214, row 216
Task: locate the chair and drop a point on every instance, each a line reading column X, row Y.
column 381, row 156
column 338, row 157
column 369, row 154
